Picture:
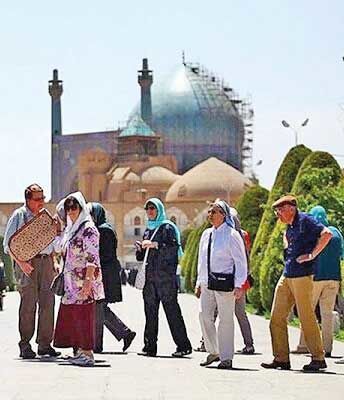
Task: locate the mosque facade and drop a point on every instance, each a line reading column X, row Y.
column 188, row 142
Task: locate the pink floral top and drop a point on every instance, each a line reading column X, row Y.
column 82, row 251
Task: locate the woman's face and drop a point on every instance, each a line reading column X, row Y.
column 215, row 216
column 73, row 211
column 151, row 211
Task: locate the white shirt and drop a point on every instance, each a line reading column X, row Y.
column 227, row 250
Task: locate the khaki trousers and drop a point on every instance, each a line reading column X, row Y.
column 221, row 341
column 324, row 292
column 290, row 292
column 34, row 290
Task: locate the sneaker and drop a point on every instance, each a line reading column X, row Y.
column 82, row 361
column 247, row 350
column 48, row 351
column 27, row 353
column 147, row 353
column 201, row 348
column 210, row 359
column 341, row 361
column 276, row 365
column 315, row 365
column 226, row 364
column 127, row 340
column 181, row 353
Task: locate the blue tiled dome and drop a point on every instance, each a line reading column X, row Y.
column 194, row 114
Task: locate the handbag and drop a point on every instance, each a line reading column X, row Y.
column 57, row 285
column 140, row 278
column 217, row 280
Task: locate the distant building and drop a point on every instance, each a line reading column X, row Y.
column 187, row 143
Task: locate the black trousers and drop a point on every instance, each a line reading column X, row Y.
column 105, row 316
column 166, row 293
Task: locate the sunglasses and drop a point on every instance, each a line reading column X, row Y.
column 71, row 207
column 212, row 212
column 150, row 208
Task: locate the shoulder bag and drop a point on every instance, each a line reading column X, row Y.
column 140, row 278
column 216, row 280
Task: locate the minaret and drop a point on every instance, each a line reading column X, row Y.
column 145, row 80
column 55, row 91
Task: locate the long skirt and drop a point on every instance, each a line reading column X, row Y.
column 75, row 326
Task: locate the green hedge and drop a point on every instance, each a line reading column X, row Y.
column 190, row 258
column 10, row 281
column 319, row 182
column 250, row 209
column 283, row 183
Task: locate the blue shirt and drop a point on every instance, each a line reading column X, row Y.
column 302, row 236
column 327, row 266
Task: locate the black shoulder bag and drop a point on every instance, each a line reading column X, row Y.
column 216, row 280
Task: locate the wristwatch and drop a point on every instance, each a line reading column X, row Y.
column 310, row 256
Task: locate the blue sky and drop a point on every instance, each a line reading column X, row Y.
column 287, row 55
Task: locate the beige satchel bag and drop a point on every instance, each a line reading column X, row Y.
column 140, row 279
column 33, row 237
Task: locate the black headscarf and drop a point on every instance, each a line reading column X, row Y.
column 99, row 216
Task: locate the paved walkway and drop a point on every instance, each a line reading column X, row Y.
column 129, row 376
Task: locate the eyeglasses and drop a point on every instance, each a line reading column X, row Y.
column 150, row 208
column 279, row 210
column 71, row 207
column 38, row 198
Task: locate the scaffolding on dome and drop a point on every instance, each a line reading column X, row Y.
column 216, row 97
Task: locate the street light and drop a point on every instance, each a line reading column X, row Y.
column 287, row 125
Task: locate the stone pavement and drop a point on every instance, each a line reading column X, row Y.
column 129, row 376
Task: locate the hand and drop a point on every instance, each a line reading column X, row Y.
column 138, row 245
column 304, row 258
column 148, row 244
column 238, row 292
column 26, row 267
column 198, row 291
column 86, row 289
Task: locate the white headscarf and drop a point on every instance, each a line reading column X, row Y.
column 83, row 217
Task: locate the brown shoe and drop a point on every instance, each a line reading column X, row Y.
column 276, row 365
column 315, row 365
column 210, row 359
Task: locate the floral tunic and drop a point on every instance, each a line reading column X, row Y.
column 82, row 251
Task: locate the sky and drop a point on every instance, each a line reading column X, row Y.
column 285, row 55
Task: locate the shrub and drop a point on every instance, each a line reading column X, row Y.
column 8, row 266
column 250, row 209
column 283, row 183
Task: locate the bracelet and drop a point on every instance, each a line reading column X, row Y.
column 310, row 256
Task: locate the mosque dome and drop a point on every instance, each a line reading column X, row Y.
column 197, row 116
column 207, row 181
column 158, row 175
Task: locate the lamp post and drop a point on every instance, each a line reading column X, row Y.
column 287, row 125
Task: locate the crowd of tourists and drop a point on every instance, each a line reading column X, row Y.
column 82, row 260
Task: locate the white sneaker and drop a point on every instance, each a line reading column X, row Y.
column 82, row 360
